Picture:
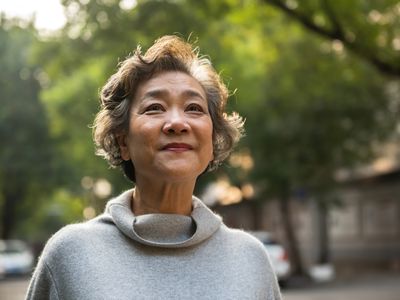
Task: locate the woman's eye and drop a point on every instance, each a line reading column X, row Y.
column 195, row 108
column 154, row 108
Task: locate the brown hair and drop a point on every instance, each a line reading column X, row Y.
column 169, row 53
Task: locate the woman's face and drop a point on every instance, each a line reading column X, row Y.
column 170, row 129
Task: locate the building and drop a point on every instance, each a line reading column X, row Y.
column 364, row 230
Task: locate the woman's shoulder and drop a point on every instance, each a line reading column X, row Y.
column 247, row 249
column 75, row 236
column 239, row 234
column 242, row 239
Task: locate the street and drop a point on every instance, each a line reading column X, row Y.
column 13, row 288
column 366, row 287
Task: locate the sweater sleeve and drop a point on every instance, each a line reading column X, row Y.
column 42, row 285
column 273, row 290
column 270, row 288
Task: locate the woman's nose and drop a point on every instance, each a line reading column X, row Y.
column 175, row 123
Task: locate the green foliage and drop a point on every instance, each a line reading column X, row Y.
column 26, row 155
column 21, row 109
column 370, row 29
column 322, row 111
column 71, row 105
column 58, row 209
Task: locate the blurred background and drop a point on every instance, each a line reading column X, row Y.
column 317, row 177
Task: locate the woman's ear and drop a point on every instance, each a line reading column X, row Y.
column 123, row 147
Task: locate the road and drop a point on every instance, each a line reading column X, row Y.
column 365, row 287
column 13, row 288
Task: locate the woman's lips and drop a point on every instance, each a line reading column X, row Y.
column 177, row 147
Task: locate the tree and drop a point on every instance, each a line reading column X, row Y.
column 369, row 29
column 322, row 111
column 25, row 148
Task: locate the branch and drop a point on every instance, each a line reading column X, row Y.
column 337, row 27
column 336, row 33
column 304, row 20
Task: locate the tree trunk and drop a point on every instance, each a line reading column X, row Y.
column 11, row 198
column 293, row 246
column 257, row 215
column 323, row 241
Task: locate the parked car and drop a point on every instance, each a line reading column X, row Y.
column 16, row 258
column 277, row 254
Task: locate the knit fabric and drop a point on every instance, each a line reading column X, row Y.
column 157, row 256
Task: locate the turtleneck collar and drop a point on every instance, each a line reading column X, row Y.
column 163, row 230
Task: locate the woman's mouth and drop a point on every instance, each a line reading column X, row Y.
column 177, row 147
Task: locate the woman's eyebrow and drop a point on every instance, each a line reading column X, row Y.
column 160, row 93
column 156, row 93
column 193, row 93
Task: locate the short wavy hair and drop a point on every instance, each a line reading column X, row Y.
column 168, row 53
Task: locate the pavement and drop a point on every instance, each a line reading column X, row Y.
column 370, row 286
column 13, row 288
column 377, row 286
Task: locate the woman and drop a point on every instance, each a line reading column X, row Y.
column 162, row 120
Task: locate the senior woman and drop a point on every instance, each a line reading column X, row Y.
column 162, row 120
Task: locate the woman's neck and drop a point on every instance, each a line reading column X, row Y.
column 162, row 198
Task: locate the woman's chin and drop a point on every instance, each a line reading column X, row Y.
column 178, row 173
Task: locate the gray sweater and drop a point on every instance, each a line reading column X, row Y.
column 156, row 256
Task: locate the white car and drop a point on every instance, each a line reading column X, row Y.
column 277, row 254
column 16, row 258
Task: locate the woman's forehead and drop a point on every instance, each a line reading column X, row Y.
column 170, row 82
